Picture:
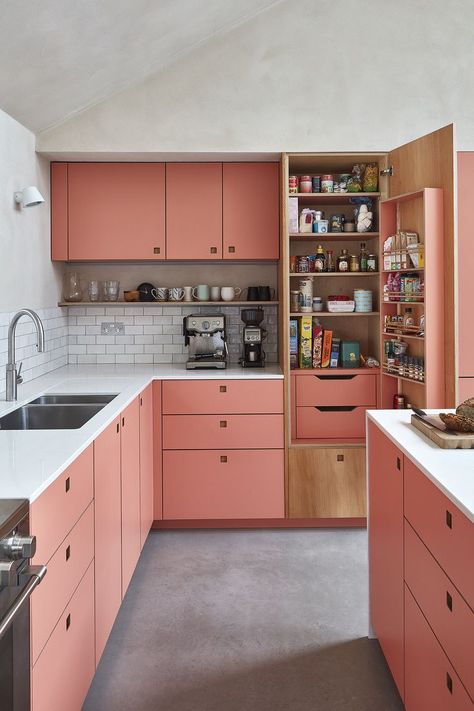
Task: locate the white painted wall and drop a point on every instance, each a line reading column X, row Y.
column 27, row 276
column 305, row 75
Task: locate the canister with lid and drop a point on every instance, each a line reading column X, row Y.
column 294, row 300
column 327, row 183
column 306, row 295
column 293, row 184
column 306, row 184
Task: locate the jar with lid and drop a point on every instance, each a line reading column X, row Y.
column 294, row 300
column 292, row 184
column 343, row 261
column 320, row 261
column 330, row 266
column 363, row 258
column 306, row 295
column 317, row 303
column 354, row 263
column 327, row 183
column 337, row 222
column 306, row 184
column 372, row 263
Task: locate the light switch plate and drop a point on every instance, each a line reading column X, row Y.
column 112, row 328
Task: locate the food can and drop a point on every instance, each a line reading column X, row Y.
column 316, row 183
column 294, row 301
column 293, row 184
column 327, row 183
column 399, row 402
column 302, row 265
column 306, row 295
column 293, row 261
column 306, row 184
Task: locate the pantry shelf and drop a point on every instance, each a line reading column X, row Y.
column 112, row 304
column 402, row 377
column 403, row 335
column 330, row 314
column 403, row 271
column 334, row 371
column 332, row 236
column 331, row 198
column 305, row 275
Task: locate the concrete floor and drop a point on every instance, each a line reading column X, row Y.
column 245, row 621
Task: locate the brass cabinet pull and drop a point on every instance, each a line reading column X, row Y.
column 449, row 519
column 223, row 423
column 232, row 249
column 156, row 250
column 68, row 484
column 68, row 621
column 213, row 250
column 68, row 552
column 223, row 459
column 223, row 388
column 449, row 601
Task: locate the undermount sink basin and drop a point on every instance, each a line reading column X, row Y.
column 73, row 399
column 49, row 417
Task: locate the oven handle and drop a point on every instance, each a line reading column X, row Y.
column 36, row 574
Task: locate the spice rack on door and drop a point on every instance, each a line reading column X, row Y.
column 421, row 212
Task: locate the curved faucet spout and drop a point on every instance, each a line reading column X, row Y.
column 12, row 376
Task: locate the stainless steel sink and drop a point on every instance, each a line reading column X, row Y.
column 73, row 399
column 49, row 417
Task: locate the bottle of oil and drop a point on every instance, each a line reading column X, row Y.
column 363, row 258
column 343, row 261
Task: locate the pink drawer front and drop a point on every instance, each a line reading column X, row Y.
column 446, row 532
column 222, row 431
column 326, row 422
column 206, row 397
column 57, row 509
column 332, row 389
column 223, row 484
column 449, row 616
column 65, row 570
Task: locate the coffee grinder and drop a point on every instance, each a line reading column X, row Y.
column 253, row 337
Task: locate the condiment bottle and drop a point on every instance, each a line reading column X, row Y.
column 320, row 262
column 330, row 266
column 372, row 263
column 343, row 261
column 363, row 258
column 408, row 319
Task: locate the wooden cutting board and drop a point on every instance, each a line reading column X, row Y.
column 445, row 440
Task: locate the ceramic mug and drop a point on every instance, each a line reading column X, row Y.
column 160, row 294
column 176, row 293
column 266, row 293
column 201, row 292
column 188, row 293
column 215, row 293
column 228, row 293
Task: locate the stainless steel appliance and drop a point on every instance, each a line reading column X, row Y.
column 205, row 337
column 18, row 579
column 253, row 336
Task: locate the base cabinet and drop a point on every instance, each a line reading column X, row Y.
column 130, row 461
column 327, row 482
column 146, row 463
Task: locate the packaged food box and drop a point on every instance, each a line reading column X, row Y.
column 305, row 345
column 350, row 354
column 327, row 343
column 293, row 336
column 335, row 349
column 293, row 215
column 317, row 345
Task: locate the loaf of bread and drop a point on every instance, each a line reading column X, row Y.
column 466, row 408
column 457, row 423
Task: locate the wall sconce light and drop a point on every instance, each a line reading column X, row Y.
column 28, row 197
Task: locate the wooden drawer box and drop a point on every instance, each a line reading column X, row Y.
column 207, row 397
column 336, row 390
column 224, row 484
column 59, row 507
column 222, row 431
column 65, row 570
column 330, row 422
column 450, row 618
column 63, row 673
column 447, row 533
column 431, row 684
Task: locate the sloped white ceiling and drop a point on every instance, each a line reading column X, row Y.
column 58, row 57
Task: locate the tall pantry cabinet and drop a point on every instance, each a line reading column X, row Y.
column 465, row 164
column 326, row 406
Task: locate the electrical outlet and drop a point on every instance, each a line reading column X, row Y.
column 112, row 328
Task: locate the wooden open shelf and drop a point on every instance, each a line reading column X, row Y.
column 167, row 303
column 330, row 198
column 402, row 377
column 334, row 371
column 333, row 236
column 402, row 335
column 403, row 271
column 330, row 314
column 305, row 275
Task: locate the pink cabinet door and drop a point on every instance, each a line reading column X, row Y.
column 116, row 211
column 157, row 453
column 56, row 510
column 251, row 212
column 146, row 463
column 59, row 216
column 431, row 683
column 63, row 673
column 465, row 263
column 108, row 532
column 222, row 431
column 65, row 571
column 334, row 389
column 330, row 421
column 386, row 548
column 446, row 531
column 449, row 616
column 207, row 397
column 130, row 455
column 224, row 484
column 194, row 211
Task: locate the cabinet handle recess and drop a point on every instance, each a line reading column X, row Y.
column 232, row 249
column 449, row 519
column 336, row 408
column 123, row 421
column 213, row 250
column 223, row 459
column 68, row 484
column 334, row 377
column 399, row 464
column 449, row 683
column 223, row 423
column 118, row 427
column 68, row 552
column 156, row 250
column 68, row 621
column 223, row 389
column 449, row 601
column 340, row 458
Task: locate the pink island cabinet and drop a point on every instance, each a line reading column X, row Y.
column 146, row 463
column 130, row 458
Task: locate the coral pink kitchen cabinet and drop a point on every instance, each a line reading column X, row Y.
column 250, row 211
column 194, row 211
column 108, row 533
column 115, row 211
column 130, row 460
column 146, row 463
column 157, row 453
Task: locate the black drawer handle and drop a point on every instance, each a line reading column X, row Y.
column 334, row 377
column 68, row 552
column 68, row 621
column 68, row 484
column 449, row 519
column 449, row 601
column 399, row 464
column 449, row 683
column 336, row 408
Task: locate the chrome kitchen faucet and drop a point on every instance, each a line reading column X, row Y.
column 13, row 377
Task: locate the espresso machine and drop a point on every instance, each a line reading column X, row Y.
column 205, row 337
column 253, row 336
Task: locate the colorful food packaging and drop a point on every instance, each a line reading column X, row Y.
column 317, row 344
column 293, row 343
column 350, row 354
column 305, row 345
column 336, row 346
column 327, row 343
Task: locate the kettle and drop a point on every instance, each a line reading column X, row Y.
column 145, row 291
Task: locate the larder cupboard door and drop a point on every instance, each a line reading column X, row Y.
column 429, row 162
column 251, row 210
column 130, row 455
column 386, row 548
column 194, row 211
column 108, row 533
column 465, row 267
column 116, row 211
column 146, row 462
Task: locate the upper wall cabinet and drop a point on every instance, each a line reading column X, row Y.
column 251, row 215
column 194, row 211
column 114, row 211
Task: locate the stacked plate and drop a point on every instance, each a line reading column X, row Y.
column 363, row 300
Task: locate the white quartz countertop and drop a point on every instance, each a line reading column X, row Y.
column 31, row 460
column 452, row 470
